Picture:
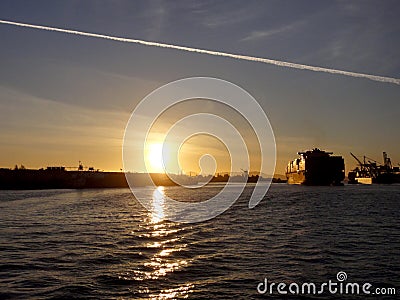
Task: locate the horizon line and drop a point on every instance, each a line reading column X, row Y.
column 86, row 169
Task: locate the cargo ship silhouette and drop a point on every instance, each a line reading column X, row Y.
column 316, row 167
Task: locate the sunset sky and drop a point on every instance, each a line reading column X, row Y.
column 65, row 98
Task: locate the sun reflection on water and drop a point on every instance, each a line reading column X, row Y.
column 157, row 214
column 174, row 293
column 165, row 251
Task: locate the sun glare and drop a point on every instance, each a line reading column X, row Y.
column 154, row 158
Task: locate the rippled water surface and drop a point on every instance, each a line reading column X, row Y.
column 103, row 244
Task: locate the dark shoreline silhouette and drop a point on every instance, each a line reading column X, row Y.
column 24, row 179
column 59, row 178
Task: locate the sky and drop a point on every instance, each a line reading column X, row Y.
column 67, row 98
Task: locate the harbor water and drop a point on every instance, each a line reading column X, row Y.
column 102, row 244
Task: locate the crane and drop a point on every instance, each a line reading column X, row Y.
column 386, row 161
column 359, row 162
column 365, row 169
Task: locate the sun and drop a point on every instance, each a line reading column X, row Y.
column 154, row 158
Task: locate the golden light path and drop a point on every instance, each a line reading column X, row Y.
column 163, row 262
column 157, row 213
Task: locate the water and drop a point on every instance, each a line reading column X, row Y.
column 102, row 244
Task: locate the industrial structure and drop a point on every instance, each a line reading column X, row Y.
column 371, row 171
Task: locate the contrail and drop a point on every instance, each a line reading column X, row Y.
column 211, row 52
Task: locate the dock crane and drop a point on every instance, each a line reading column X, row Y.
column 356, row 158
column 366, row 169
column 386, row 161
column 374, row 169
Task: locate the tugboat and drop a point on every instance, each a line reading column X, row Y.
column 316, row 167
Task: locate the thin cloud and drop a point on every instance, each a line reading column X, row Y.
column 229, row 17
column 262, row 34
column 211, row 52
column 159, row 15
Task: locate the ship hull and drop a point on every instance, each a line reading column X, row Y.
column 296, row 178
column 301, row 178
column 387, row 178
column 364, row 180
